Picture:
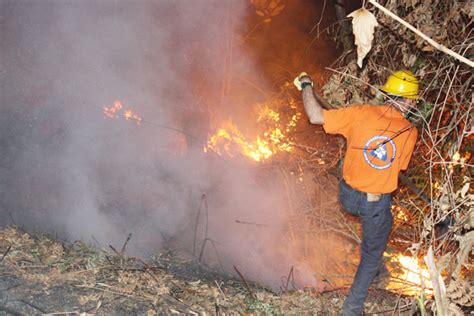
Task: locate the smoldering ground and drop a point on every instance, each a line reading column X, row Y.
column 67, row 169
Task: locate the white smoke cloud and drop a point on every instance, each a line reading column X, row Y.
column 65, row 168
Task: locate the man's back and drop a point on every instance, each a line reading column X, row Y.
column 379, row 144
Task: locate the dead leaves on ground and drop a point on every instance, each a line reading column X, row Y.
column 102, row 280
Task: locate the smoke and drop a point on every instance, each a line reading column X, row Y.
column 67, row 169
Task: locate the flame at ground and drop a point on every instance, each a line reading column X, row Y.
column 229, row 140
column 411, row 279
column 399, row 213
column 117, row 110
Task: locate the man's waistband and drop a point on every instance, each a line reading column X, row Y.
column 370, row 197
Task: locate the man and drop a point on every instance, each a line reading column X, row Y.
column 380, row 142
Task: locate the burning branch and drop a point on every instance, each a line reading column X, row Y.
column 117, row 110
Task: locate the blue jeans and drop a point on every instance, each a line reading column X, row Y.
column 376, row 224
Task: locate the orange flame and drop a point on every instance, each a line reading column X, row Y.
column 399, row 213
column 112, row 112
column 411, row 279
column 229, row 140
column 116, row 110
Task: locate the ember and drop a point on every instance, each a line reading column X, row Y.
column 116, row 110
column 399, row 213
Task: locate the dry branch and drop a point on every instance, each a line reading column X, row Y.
column 435, row 44
column 442, row 304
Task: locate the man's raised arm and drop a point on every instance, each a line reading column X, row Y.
column 312, row 106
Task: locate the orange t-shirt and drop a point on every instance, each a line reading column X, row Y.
column 380, row 142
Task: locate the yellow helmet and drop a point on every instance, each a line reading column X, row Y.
column 402, row 83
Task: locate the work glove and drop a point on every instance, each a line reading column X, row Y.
column 302, row 77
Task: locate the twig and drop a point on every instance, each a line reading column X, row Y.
column 175, row 301
column 252, row 295
column 5, row 253
column 253, row 224
column 405, row 308
column 215, row 249
column 115, row 250
column 203, row 201
column 94, row 309
column 125, row 244
column 290, row 275
column 337, row 289
column 111, row 291
column 316, row 26
column 220, row 290
column 435, row 44
column 201, row 253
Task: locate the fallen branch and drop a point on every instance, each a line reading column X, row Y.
column 435, row 44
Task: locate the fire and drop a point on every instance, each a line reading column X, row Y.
column 112, row 111
column 399, row 213
column 229, row 140
column 117, row 110
column 411, row 279
column 130, row 115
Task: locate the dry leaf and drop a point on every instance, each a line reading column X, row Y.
column 465, row 189
column 363, row 26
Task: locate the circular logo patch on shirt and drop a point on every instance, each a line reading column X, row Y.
column 379, row 152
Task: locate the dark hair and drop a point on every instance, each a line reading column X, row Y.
column 393, row 97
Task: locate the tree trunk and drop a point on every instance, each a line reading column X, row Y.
column 345, row 25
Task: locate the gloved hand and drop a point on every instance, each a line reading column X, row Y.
column 302, row 77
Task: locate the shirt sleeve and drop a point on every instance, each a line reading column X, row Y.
column 408, row 150
column 340, row 121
